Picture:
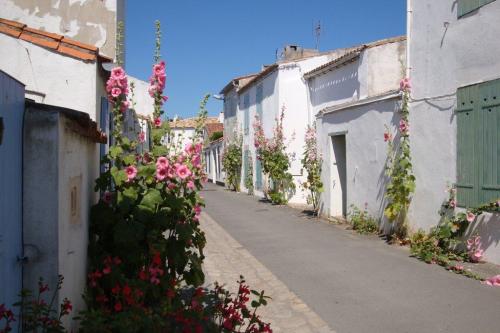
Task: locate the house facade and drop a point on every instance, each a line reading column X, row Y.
column 264, row 95
column 353, row 98
column 92, row 22
column 454, row 110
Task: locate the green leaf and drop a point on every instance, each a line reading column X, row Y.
column 115, row 151
column 152, row 199
column 129, row 159
column 119, row 176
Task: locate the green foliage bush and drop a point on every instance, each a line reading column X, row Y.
column 361, row 221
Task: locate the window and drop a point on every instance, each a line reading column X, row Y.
column 246, row 110
column 478, row 143
column 468, row 6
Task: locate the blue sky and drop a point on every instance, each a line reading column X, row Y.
column 206, row 43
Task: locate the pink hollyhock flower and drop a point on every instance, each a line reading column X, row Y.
column 183, row 172
column 171, row 186
column 115, row 92
column 181, row 159
column 493, row 281
column 171, row 173
column 142, row 137
column 162, row 162
column 164, row 98
column 452, row 203
column 157, row 122
column 470, row 217
column 118, row 73
column 196, row 160
column 131, row 172
column 107, row 197
column 161, row 173
column 189, row 148
column 152, row 91
column 190, row 185
column 197, row 210
column 405, row 84
column 124, row 106
column 198, row 147
column 387, row 136
column 477, row 255
column 404, row 127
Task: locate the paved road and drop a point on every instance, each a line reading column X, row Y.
column 354, row 283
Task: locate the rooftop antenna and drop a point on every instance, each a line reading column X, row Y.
column 317, row 33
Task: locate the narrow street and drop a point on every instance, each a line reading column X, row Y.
column 353, row 283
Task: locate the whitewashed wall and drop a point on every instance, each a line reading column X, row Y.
column 366, row 152
column 364, row 95
column 180, row 137
column 51, row 78
column 444, row 57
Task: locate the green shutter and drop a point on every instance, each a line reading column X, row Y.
column 489, row 147
column 258, row 174
column 478, row 144
column 245, row 164
column 468, row 6
column 246, row 107
column 467, row 102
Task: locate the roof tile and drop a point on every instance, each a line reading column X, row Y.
column 57, row 43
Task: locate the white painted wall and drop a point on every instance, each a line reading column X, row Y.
column 366, row 152
column 51, row 78
column 76, row 161
column 444, row 57
column 360, row 92
column 55, row 240
column 213, row 162
column 143, row 101
column 180, row 137
column 285, row 86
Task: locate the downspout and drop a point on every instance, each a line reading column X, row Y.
column 409, row 16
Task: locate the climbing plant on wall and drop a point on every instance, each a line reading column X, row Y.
column 275, row 160
column 399, row 167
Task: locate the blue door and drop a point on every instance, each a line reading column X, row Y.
column 11, row 119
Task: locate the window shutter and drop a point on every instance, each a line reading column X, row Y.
column 246, row 106
column 485, row 2
column 467, row 101
column 489, row 147
column 467, row 6
column 258, row 174
column 245, row 164
column 258, row 100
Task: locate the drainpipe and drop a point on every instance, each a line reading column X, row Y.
column 409, row 16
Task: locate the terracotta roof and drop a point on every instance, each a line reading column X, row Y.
column 191, row 122
column 350, row 55
column 51, row 41
column 265, row 72
column 214, row 127
column 235, row 82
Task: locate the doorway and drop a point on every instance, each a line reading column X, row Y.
column 338, row 176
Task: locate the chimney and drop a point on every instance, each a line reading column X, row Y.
column 295, row 52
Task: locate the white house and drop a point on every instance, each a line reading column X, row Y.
column 280, row 84
column 353, row 98
column 454, row 111
column 212, row 152
column 182, row 131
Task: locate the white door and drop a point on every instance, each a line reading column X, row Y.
column 338, row 195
